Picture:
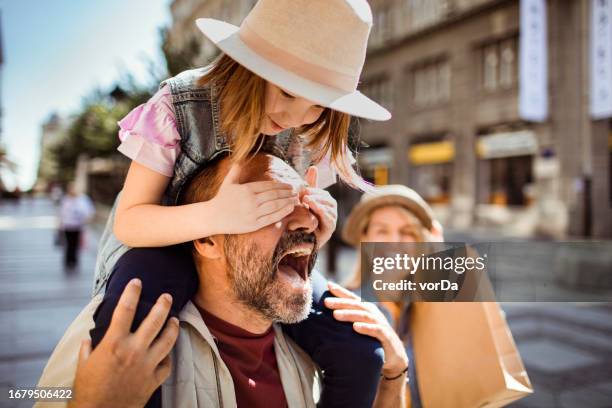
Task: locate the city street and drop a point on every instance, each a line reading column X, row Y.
column 567, row 348
column 38, row 299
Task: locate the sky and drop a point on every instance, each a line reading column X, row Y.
column 57, row 52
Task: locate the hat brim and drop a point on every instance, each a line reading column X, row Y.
column 225, row 36
column 355, row 222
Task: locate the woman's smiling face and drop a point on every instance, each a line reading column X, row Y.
column 285, row 110
column 393, row 224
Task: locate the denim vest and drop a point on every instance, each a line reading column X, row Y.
column 198, row 124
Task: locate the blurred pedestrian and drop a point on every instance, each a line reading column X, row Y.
column 394, row 213
column 76, row 210
column 55, row 194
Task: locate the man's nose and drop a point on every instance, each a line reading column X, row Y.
column 301, row 219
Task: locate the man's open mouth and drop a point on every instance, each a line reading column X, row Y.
column 297, row 261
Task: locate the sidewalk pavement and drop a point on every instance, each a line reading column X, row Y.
column 38, row 299
column 567, row 348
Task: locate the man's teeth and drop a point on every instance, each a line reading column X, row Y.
column 300, row 252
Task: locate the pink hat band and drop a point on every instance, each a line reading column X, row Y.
column 295, row 64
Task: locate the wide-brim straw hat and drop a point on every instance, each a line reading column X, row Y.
column 383, row 196
column 314, row 49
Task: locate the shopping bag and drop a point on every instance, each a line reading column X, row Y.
column 465, row 356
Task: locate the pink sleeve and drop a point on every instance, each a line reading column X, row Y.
column 149, row 135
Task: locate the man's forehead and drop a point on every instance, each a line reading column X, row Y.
column 264, row 167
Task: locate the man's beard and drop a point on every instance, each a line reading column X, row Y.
column 254, row 277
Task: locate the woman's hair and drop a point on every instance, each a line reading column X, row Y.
column 242, row 100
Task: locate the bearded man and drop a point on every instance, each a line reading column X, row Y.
column 226, row 347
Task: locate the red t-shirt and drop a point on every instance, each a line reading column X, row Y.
column 251, row 360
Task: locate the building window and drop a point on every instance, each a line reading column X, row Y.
column 375, row 164
column 425, row 13
column 433, row 182
column 610, row 176
column 499, row 64
column 511, row 181
column 610, row 166
column 505, row 167
column 444, row 74
column 431, row 83
column 383, row 24
column 507, row 66
column 380, row 89
column 432, row 168
column 490, row 67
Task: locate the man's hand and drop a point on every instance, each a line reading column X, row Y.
column 322, row 204
column 126, row 368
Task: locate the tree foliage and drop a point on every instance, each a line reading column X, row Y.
column 94, row 130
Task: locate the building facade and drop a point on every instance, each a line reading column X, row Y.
column 1, row 84
column 449, row 72
column 3, row 153
column 53, row 133
column 183, row 31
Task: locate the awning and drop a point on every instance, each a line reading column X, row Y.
column 507, row 144
column 431, row 153
column 376, row 157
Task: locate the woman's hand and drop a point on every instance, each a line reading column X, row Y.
column 368, row 319
column 125, row 368
column 242, row 208
column 322, row 204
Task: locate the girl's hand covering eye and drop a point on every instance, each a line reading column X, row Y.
column 323, row 205
column 243, row 208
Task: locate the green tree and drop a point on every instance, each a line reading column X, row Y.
column 94, row 131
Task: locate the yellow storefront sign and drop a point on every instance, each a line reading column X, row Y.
column 381, row 175
column 431, row 153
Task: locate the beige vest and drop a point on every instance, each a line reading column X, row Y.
column 199, row 376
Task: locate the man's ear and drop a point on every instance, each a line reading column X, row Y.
column 209, row 247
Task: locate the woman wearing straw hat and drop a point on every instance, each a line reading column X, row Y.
column 394, row 213
column 286, row 83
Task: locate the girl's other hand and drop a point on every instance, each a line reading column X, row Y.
column 322, row 204
column 368, row 319
column 243, row 208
